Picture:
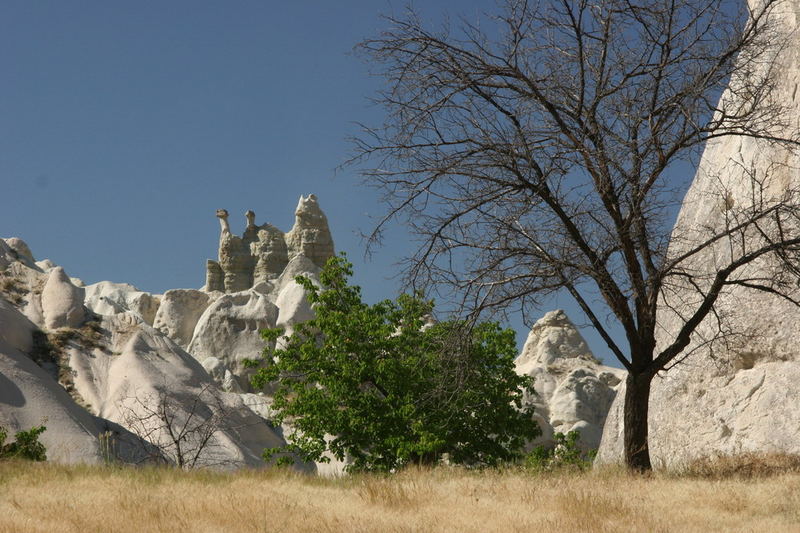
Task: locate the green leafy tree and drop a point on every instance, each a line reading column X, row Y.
column 381, row 386
column 26, row 445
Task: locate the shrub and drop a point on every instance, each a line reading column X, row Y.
column 25, row 446
column 377, row 385
column 565, row 454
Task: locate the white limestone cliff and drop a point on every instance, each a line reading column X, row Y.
column 105, row 361
column 229, row 330
column 108, row 298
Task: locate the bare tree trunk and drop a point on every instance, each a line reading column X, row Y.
column 637, row 394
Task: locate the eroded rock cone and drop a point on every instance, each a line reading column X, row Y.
column 574, row 390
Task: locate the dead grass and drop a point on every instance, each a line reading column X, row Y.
column 47, row 498
column 743, row 466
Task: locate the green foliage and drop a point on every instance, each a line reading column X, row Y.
column 565, row 454
column 25, row 446
column 375, row 384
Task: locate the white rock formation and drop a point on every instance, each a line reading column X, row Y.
column 310, row 235
column 229, row 330
column 178, row 313
column 743, row 397
column 62, row 302
column 262, row 253
column 574, row 391
column 108, row 298
column 30, row 397
column 133, row 368
column 114, row 368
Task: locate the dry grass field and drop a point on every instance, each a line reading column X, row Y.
column 49, row 498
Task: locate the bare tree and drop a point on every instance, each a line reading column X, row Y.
column 546, row 150
column 181, row 431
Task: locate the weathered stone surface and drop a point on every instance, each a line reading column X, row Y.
column 30, row 397
column 20, row 251
column 293, row 306
column 46, row 265
column 215, row 277
column 263, row 252
column 300, row 265
column 62, row 302
column 178, row 313
column 224, row 378
column 270, row 252
column 133, row 367
column 109, row 298
column 574, row 391
column 310, row 235
column 229, row 329
column 741, row 397
column 234, row 258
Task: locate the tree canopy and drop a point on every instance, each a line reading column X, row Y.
column 382, row 386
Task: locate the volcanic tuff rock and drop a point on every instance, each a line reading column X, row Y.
column 114, row 369
column 99, row 372
column 229, row 330
column 262, row 252
column 62, row 302
column 573, row 390
column 741, row 397
column 310, row 235
column 104, row 367
column 107, row 298
column 178, row 313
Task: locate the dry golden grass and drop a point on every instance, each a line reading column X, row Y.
column 57, row 499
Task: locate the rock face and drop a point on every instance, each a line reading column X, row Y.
column 310, row 235
column 108, row 371
column 107, row 298
column 178, row 313
column 109, row 359
column 740, row 397
column 263, row 252
column 574, row 391
column 62, row 302
column 229, row 330
column 133, row 371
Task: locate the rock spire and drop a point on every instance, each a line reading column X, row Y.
column 263, row 252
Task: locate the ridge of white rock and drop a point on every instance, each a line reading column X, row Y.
column 179, row 312
column 229, row 331
column 30, row 397
column 115, row 351
column 573, row 389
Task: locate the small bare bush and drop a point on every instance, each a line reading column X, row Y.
column 180, row 431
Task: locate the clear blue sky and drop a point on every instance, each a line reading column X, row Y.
column 124, row 125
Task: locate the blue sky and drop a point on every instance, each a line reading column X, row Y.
column 125, row 125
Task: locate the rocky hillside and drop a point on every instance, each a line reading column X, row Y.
column 114, row 370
